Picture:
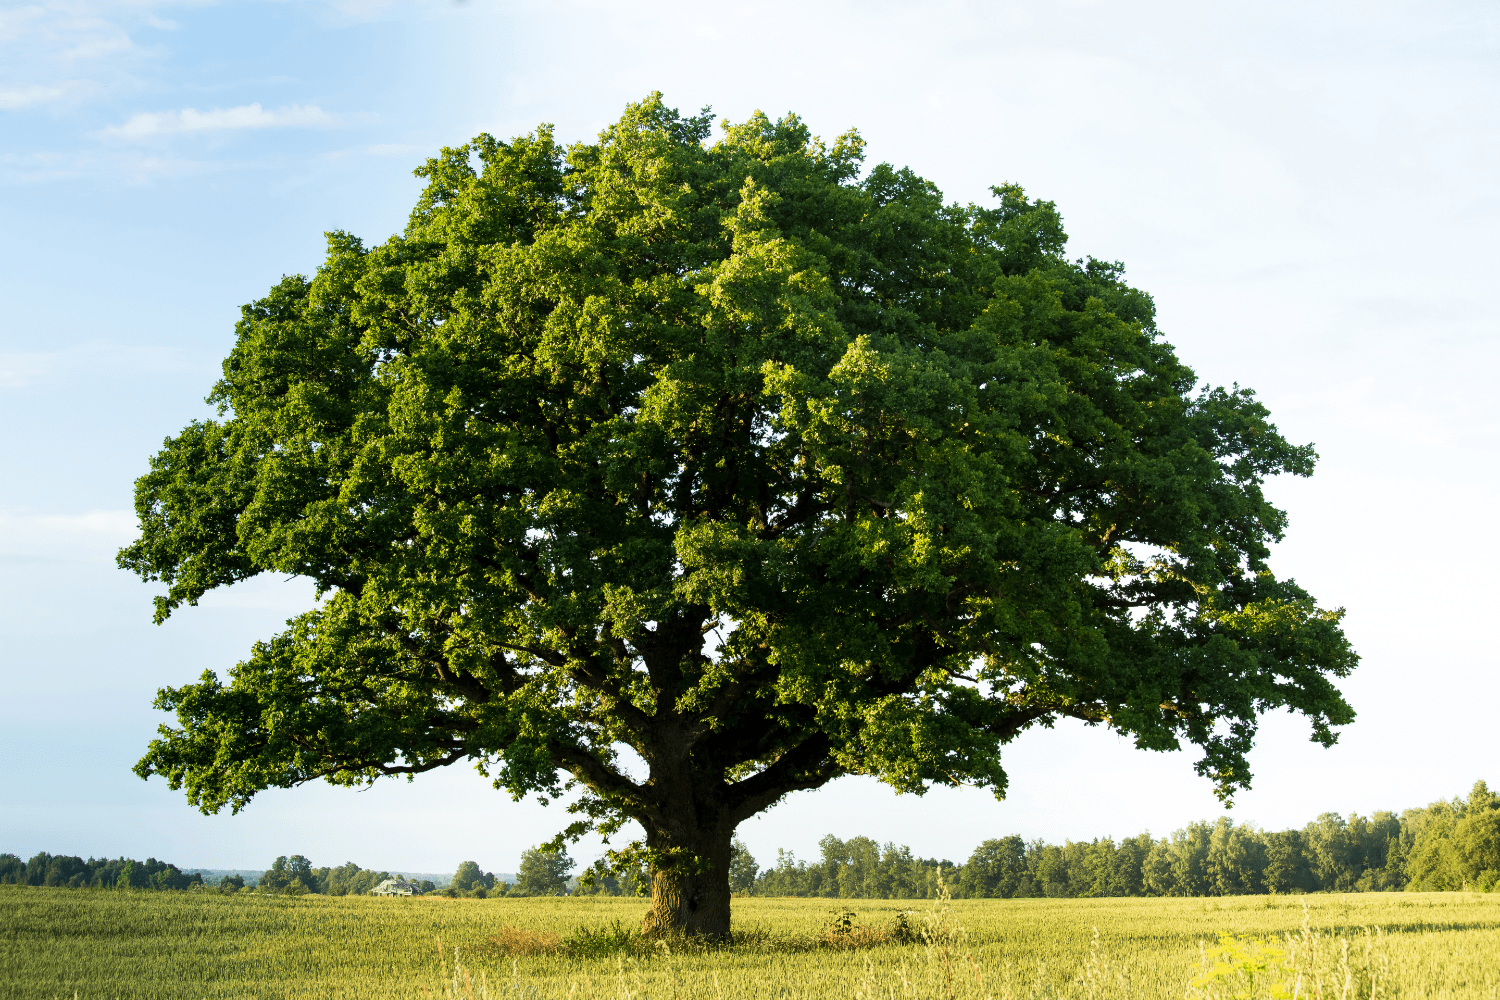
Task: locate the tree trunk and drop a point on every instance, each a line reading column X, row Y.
column 690, row 884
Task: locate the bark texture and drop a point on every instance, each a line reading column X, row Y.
column 690, row 889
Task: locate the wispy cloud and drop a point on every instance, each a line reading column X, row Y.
column 94, row 535
column 19, row 370
column 378, row 149
column 26, row 95
column 98, row 47
column 68, row 31
column 149, row 124
column 70, row 50
column 23, row 97
column 127, row 166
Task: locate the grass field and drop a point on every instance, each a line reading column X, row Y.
column 55, row 943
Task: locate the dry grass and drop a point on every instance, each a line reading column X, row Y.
column 515, row 942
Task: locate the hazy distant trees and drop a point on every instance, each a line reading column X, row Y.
column 543, row 873
column 1447, row 845
column 290, row 876
column 295, row 876
column 470, row 878
column 467, row 875
column 348, row 879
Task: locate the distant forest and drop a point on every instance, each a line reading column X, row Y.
column 95, row 873
column 290, row 876
column 1453, row 845
column 1446, row 846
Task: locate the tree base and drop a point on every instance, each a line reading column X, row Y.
column 691, row 898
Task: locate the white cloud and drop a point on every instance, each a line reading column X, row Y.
column 115, row 166
column 377, row 149
column 393, row 149
column 148, row 124
column 41, row 41
column 97, row 534
column 17, row 370
column 364, row 10
column 67, row 31
column 98, row 47
column 23, row 97
column 90, row 359
column 20, row 23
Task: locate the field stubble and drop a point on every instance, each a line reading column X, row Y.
column 56, row 943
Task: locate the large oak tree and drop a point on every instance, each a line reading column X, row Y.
column 765, row 465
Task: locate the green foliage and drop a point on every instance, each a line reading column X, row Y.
column 468, row 873
column 742, row 868
column 348, row 879
column 469, row 877
column 1447, row 846
column 292, row 876
column 770, row 466
column 543, row 872
column 1456, row 844
column 96, row 873
column 596, row 881
column 998, row 869
column 858, row 868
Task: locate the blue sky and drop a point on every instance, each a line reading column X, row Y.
column 1310, row 192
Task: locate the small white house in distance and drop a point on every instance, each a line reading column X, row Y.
column 396, row 887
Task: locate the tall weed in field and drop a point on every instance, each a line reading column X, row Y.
column 1310, row 965
column 462, row 985
column 949, row 970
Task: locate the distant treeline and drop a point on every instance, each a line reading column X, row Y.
column 95, row 873
column 289, row 876
column 1452, row 845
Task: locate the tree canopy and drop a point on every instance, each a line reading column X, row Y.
column 543, row 873
column 470, row 876
column 770, row 466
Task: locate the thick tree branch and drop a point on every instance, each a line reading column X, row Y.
column 809, row 764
